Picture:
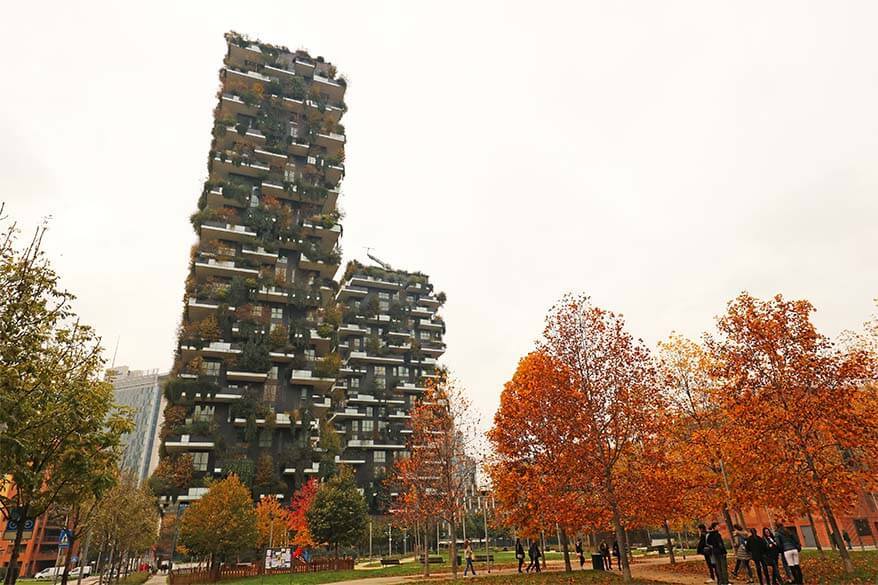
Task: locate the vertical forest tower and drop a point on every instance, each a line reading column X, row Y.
column 280, row 374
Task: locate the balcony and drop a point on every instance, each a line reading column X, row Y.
column 432, row 325
column 281, row 420
column 372, row 282
column 351, row 292
column 216, row 349
column 430, row 302
column 217, row 199
column 346, row 461
column 320, row 343
column 347, row 413
column 279, row 72
column 352, row 329
column 321, row 403
column 232, row 105
column 399, row 348
column 234, row 165
column 248, row 79
column 400, row 334
column 313, row 469
column 328, row 235
column 277, row 356
column 227, row 268
column 371, row 444
column 304, row 67
column 224, row 397
column 333, row 173
column 229, row 136
column 325, row 270
column 199, row 309
column 259, row 253
column 240, row 376
column 399, row 415
column 409, row 388
column 241, row 55
column 332, row 88
column 434, row 352
column 189, row 443
column 362, row 356
column 421, row 312
column 271, row 158
column 334, row 143
column 271, row 293
column 307, row 378
column 226, row 231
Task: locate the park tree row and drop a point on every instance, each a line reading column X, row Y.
column 595, row 432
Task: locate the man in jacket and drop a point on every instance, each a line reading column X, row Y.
column 717, row 554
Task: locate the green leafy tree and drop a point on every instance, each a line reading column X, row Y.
column 338, row 516
column 59, row 431
column 222, row 524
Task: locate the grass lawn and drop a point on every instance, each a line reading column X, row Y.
column 823, row 569
column 553, row 578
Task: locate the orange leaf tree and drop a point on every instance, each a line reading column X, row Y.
column 531, row 435
column 781, row 376
column 272, row 520
column 434, row 479
column 613, row 412
column 297, row 521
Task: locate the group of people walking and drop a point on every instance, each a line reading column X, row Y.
column 766, row 550
column 533, row 552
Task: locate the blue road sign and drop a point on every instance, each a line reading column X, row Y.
column 64, row 538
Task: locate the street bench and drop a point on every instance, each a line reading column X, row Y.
column 386, row 562
column 431, row 560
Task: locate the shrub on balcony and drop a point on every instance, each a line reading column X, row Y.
column 254, row 357
column 325, row 330
column 328, row 366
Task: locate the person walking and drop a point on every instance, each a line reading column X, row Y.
column 703, row 549
column 519, row 553
column 772, row 552
column 468, row 553
column 790, row 547
column 718, row 554
column 617, row 555
column 758, row 550
column 607, row 561
column 580, row 553
column 847, row 539
column 533, row 552
column 742, row 556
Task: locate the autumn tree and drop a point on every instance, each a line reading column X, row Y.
column 697, row 429
column 530, row 436
column 59, row 431
column 610, row 410
column 297, row 519
column 222, row 524
column 271, row 522
column 440, row 469
column 778, row 374
column 338, row 517
column 125, row 524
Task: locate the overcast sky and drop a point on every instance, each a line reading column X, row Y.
column 661, row 156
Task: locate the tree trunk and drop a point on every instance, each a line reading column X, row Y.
column 814, row 530
column 452, row 546
column 842, row 549
column 621, row 539
column 66, row 574
column 670, row 543
column 628, row 550
column 12, row 570
column 565, row 546
column 729, row 524
column 426, row 549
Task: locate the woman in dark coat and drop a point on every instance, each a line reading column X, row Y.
column 519, row 553
column 758, row 549
column 772, row 555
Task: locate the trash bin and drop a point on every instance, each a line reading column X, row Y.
column 597, row 562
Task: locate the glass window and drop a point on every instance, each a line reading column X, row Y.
column 277, row 313
column 256, row 310
column 265, row 438
column 424, row 335
column 199, row 460
column 211, row 368
column 379, row 457
column 355, row 382
column 368, row 425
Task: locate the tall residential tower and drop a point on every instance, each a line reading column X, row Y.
column 255, row 364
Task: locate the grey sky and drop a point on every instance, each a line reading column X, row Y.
column 661, row 156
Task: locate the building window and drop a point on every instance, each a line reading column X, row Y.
column 384, row 296
column 425, row 335
column 211, row 368
column 272, row 373
column 277, row 312
column 355, row 383
column 383, row 306
column 199, row 460
column 256, row 311
column 203, row 413
column 368, row 425
column 379, row 457
column 265, row 438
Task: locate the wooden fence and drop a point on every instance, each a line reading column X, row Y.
column 201, row 575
